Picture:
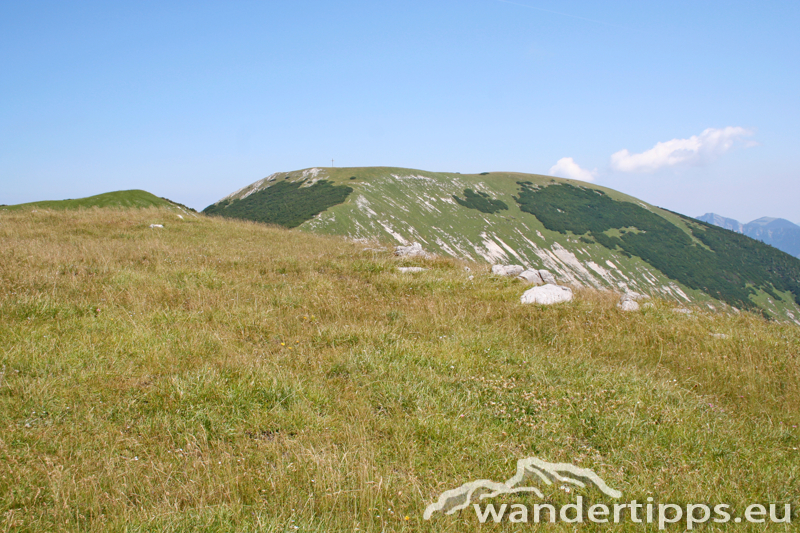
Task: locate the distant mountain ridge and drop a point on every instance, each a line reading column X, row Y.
column 583, row 233
column 777, row 232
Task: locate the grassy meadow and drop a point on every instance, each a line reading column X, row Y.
column 220, row 375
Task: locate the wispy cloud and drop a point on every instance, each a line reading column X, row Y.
column 696, row 150
column 566, row 167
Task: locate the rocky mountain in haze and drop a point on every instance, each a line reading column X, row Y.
column 777, row 232
column 722, row 222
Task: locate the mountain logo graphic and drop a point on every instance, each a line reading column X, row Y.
column 460, row 498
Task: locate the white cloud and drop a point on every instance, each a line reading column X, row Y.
column 695, row 150
column 566, row 167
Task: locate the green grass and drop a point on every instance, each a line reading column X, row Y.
column 219, row 375
column 131, row 198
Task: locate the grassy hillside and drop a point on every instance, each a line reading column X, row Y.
column 131, row 198
column 585, row 234
column 220, row 375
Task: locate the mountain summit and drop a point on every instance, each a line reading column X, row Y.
column 585, row 234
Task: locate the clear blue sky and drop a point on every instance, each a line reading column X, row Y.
column 192, row 100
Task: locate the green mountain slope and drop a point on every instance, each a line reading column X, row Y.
column 131, row 198
column 585, row 234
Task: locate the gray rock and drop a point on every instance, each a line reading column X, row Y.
column 410, row 270
column 547, row 295
column 628, row 304
column 531, row 276
column 547, row 277
column 627, row 301
column 415, row 250
column 511, row 271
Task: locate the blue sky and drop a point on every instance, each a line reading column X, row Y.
column 692, row 106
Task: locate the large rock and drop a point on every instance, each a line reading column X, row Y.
column 531, row 276
column 415, row 250
column 511, row 271
column 547, row 277
column 546, row 295
column 628, row 303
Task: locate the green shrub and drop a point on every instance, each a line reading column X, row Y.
column 480, row 201
column 286, row 204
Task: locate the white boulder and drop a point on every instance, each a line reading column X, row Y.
column 531, row 276
column 546, row 295
column 628, row 303
column 410, row 270
column 415, row 250
column 511, row 271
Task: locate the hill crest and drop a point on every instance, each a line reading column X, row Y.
column 127, row 198
column 586, row 234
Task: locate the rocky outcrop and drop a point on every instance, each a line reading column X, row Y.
column 547, row 277
column 537, row 277
column 511, row 271
column 628, row 303
column 547, row 295
column 414, row 250
column 531, row 276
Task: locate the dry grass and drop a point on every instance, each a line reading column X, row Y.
column 226, row 376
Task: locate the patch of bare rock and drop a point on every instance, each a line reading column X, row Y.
column 414, row 250
column 531, row 276
column 536, row 277
column 510, row 271
column 628, row 303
